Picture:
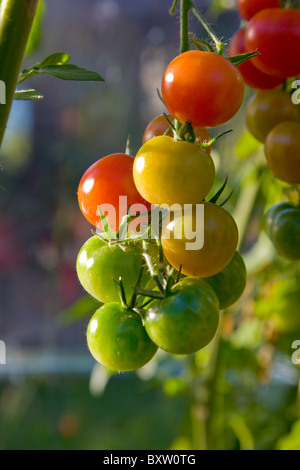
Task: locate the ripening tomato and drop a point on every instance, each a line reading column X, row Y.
column 117, row 338
column 248, row 8
column 159, row 125
column 186, row 320
column 109, row 182
column 201, row 243
column 253, row 77
column 168, row 171
column 267, row 108
column 275, row 33
column 282, row 151
column 203, row 88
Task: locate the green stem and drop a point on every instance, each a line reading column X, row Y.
column 219, row 45
column 16, row 17
column 184, row 25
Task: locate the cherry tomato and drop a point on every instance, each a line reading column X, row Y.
column 248, row 8
column 275, row 33
column 202, row 248
column 282, row 150
column 196, row 87
column 159, row 125
column 229, row 284
column 117, row 338
column 168, row 171
column 283, row 229
column 266, row 109
column 270, row 215
column 186, row 320
column 105, row 182
column 99, row 265
column 253, row 77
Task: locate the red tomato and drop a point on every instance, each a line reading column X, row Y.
column 253, row 77
column 275, row 33
column 105, row 182
column 248, row 8
column 204, row 88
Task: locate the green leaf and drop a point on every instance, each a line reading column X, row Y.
column 56, row 66
column 83, row 307
column 58, row 58
column 70, row 72
column 239, row 59
column 28, row 95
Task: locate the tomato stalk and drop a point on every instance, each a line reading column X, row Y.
column 16, row 18
column 219, row 45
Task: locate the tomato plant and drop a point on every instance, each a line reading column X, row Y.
column 196, row 85
column 168, row 171
column 267, row 108
column 253, row 76
column 100, row 265
column 275, row 33
column 186, row 320
column 105, row 182
column 248, row 8
column 282, row 150
column 220, row 238
column 117, row 338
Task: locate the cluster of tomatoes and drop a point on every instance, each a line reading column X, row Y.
column 163, row 288
column 273, row 111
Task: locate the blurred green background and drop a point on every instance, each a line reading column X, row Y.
column 52, row 394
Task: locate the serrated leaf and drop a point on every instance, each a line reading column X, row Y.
column 239, row 59
column 28, row 95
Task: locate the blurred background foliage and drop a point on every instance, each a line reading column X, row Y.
column 241, row 393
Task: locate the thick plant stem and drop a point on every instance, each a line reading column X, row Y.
column 184, row 25
column 16, row 17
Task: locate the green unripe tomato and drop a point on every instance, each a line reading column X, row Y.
column 229, row 284
column 117, row 339
column 186, row 320
column 282, row 225
column 99, row 265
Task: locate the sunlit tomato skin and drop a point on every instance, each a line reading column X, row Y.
column 196, row 87
column 282, row 151
column 229, row 284
column 117, row 338
column 283, row 229
column 267, row 108
column 201, row 247
column 104, row 182
column 275, row 33
column 100, row 265
column 186, row 320
column 248, row 8
column 253, row 77
column 170, row 172
column 159, row 125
